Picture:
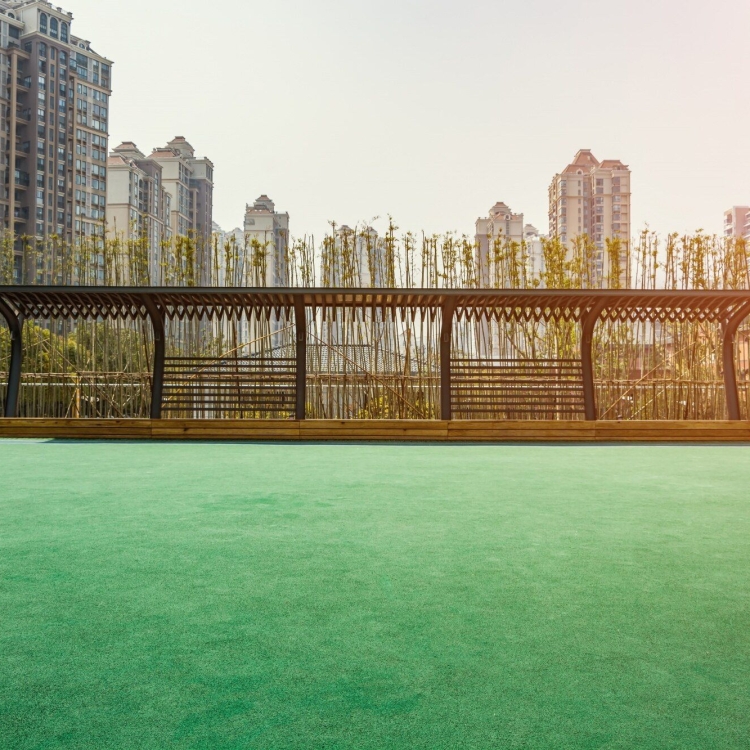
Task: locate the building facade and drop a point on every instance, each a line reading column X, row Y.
column 138, row 206
column 55, row 125
column 353, row 258
column 737, row 222
column 500, row 229
column 228, row 256
column 267, row 231
column 592, row 198
column 189, row 181
column 163, row 196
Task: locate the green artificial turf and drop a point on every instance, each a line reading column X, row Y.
column 174, row 595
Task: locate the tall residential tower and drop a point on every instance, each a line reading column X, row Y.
column 138, row 206
column 55, row 124
column 592, row 198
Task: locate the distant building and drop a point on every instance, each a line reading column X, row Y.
column 353, row 258
column 534, row 251
column 737, row 222
column 228, row 256
column 54, row 121
column 592, row 198
column 267, row 231
column 163, row 196
column 190, row 183
column 502, row 227
column 138, row 206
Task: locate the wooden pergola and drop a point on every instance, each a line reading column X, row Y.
column 583, row 307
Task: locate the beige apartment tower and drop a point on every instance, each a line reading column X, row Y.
column 503, row 226
column 138, row 206
column 165, row 195
column 189, row 181
column 592, row 198
column 737, row 222
column 268, row 229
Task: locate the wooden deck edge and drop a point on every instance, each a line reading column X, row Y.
column 536, row 431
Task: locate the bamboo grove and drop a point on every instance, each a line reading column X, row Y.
column 364, row 365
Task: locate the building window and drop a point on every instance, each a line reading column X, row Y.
column 63, row 32
column 42, row 50
column 53, row 27
column 43, row 23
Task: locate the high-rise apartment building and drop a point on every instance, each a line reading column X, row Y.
column 737, row 222
column 502, row 227
column 592, row 198
column 54, row 123
column 353, row 258
column 162, row 196
column 189, row 181
column 229, row 256
column 268, row 229
column 138, row 206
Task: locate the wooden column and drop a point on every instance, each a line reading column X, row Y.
column 729, row 329
column 446, row 334
column 300, row 326
column 15, row 326
column 588, row 323
column 157, row 381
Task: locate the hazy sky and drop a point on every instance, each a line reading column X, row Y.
column 433, row 110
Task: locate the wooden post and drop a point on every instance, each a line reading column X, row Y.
column 729, row 329
column 300, row 326
column 588, row 323
column 446, row 334
column 157, row 381
column 15, row 326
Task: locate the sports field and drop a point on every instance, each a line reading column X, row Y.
column 206, row 595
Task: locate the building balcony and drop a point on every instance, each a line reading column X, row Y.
column 24, row 114
column 20, row 214
column 22, row 179
column 24, row 83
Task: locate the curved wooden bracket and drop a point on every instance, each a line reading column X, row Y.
column 729, row 329
column 15, row 326
column 588, row 323
column 157, row 382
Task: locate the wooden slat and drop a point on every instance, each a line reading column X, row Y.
column 497, row 387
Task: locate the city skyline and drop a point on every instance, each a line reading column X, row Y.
column 428, row 136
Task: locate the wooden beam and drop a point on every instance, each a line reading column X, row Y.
column 447, row 310
column 300, row 326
